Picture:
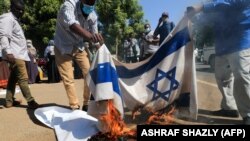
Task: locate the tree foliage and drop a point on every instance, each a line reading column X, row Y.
column 40, row 21
column 119, row 18
column 4, row 6
column 203, row 30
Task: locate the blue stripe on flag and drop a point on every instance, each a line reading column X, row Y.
column 178, row 41
column 105, row 73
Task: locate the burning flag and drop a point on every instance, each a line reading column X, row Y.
column 165, row 78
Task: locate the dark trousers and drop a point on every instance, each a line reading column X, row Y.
column 18, row 75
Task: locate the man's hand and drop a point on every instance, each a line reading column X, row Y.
column 97, row 38
column 10, row 58
column 190, row 12
column 92, row 37
column 98, row 46
column 150, row 40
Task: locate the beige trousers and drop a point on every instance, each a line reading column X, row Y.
column 64, row 63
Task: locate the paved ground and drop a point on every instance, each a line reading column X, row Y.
column 20, row 124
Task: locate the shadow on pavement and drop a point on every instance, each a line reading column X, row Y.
column 206, row 116
column 2, row 101
column 2, row 104
column 208, row 70
column 33, row 118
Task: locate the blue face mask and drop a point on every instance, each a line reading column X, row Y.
column 87, row 9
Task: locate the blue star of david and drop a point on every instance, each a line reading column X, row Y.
column 153, row 86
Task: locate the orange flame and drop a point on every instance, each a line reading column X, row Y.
column 114, row 124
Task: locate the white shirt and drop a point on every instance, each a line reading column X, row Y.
column 150, row 48
column 12, row 39
column 70, row 13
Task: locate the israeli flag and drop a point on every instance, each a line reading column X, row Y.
column 165, row 78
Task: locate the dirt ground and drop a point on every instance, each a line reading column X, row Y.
column 20, row 124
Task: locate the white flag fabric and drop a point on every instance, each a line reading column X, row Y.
column 69, row 125
column 166, row 77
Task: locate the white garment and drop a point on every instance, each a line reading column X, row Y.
column 31, row 49
column 69, row 14
column 12, row 39
column 49, row 49
column 150, row 48
column 233, row 79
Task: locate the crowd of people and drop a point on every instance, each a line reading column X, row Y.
column 136, row 50
column 76, row 30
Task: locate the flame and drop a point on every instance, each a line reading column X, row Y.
column 114, row 124
column 162, row 118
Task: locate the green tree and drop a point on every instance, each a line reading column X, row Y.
column 40, row 21
column 119, row 19
column 203, row 30
column 4, row 6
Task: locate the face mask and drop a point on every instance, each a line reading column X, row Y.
column 87, row 9
column 147, row 30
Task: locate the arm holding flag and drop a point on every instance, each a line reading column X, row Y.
column 153, row 84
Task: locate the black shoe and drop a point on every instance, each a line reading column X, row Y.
column 85, row 108
column 15, row 103
column 226, row 113
column 246, row 120
column 33, row 105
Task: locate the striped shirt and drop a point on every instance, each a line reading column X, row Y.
column 12, row 39
column 70, row 13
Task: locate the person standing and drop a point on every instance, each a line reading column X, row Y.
column 76, row 23
column 131, row 49
column 150, row 42
column 164, row 27
column 32, row 68
column 14, row 48
column 52, row 70
column 232, row 49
